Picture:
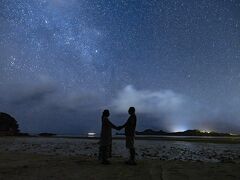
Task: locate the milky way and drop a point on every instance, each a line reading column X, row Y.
column 63, row 61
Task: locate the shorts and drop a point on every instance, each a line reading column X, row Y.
column 129, row 142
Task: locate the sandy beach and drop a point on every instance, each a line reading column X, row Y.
column 35, row 166
column 66, row 158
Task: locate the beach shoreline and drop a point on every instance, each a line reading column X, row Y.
column 146, row 149
column 206, row 139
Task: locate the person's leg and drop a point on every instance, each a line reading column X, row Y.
column 131, row 160
column 100, row 153
column 132, row 154
column 130, row 146
column 105, row 155
column 110, row 151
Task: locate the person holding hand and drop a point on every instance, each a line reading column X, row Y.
column 105, row 149
column 130, row 127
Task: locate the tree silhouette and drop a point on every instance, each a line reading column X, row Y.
column 8, row 124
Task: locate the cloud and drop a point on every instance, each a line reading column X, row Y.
column 45, row 92
column 148, row 101
column 168, row 110
column 166, row 107
column 44, row 106
column 18, row 93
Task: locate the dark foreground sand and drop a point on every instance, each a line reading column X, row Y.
column 35, row 166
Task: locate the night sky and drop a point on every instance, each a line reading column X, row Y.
column 63, row 61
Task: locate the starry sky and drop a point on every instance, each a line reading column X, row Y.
column 63, row 61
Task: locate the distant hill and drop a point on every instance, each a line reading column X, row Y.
column 46, row 134
column 151, row 132
column 194, row 132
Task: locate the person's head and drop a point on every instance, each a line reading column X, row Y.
column 131, row 110
column 106, row 113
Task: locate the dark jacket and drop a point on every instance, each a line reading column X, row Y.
column 130, row 125
column 106, row 132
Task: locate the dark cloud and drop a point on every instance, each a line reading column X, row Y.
column 43, row 106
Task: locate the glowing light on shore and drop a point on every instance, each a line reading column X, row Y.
column 179, row 128
column 91, row 134
column 205, row 131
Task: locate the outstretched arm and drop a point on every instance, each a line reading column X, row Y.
column 124, row 125
column 112, row 125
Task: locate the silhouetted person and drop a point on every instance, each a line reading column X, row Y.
column 105, row 150
column 130, row 127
